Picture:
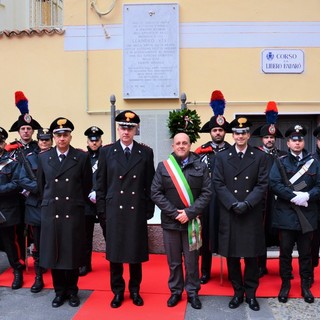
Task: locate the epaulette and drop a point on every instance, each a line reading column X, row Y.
column 145, row 145
column 107, row 145
column 205, row 148
column 259, row 148
column 13, row 146
column 45, row 150
column 284, row 156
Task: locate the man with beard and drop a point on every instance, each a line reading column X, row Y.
column 217, row 127
column 241, row 179
column 94, row 143
column 268, row 134
column 25, row 126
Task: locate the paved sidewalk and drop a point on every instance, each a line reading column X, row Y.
column 21, row 304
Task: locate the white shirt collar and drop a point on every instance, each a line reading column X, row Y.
column 65, row 153
column 243, row 151
column 129, row 146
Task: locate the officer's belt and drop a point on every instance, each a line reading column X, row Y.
column 302, row 171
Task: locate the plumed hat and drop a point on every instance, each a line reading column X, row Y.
column 217, row 103
column 25, row 118
column 270, row 127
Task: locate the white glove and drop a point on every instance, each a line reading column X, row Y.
column 301, row 198
column 25, row 193
column 92, row 196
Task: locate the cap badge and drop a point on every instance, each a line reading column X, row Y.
column 94, row 129
column 220, row 120
column 297, row 128
column 129, row 116
column 272, row 129
column 242, row 121
column 27, row 118
column 61, row 122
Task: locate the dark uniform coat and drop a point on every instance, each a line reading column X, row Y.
column 33, row 201
column 65, row 187
column 123, row 194
column 271, row 233
column 210, row 217
column 285, row 217
column 9, row 191
column 241, row 180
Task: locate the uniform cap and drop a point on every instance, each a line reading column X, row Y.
column 127, row 118
column 3, row 134
column 60, row 125
column 44, row 134
column 296, row 132
column 240, row 125
column 316, row 132
column 93, row 133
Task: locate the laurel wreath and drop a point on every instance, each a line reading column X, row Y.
column 185, row 120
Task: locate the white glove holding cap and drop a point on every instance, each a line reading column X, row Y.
column 92, row 197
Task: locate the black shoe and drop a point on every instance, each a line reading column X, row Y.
column 136, row 298
column 74, row 300
column 262, row 271
column 173, row 300
column 58, row 301
column 308, row 296
column 37, row 285
column 284, row 291
column 235, row 302
column 17, row 279
column 253, row 304
column 117, row 300
column 84, row 270
column 204, row 279
column 195, row 302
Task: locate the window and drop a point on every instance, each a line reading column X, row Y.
column 46, row 13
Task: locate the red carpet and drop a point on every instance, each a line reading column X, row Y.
column 154, row 288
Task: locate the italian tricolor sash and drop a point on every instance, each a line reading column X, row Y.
column 186, row 196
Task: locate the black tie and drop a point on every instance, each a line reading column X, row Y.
column 127, row 152
column 62, row 157
column 240, row 155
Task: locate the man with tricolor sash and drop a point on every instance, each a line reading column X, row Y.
column 181, row 189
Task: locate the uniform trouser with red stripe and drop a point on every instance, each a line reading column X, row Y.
column 11, row 247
